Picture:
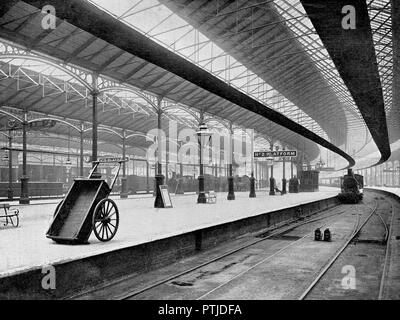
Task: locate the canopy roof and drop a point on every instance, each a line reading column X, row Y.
column 267, row 50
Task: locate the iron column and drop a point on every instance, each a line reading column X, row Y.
column 201, row 197
column 24, row 198
column 81, row 151
column 124, row 193
column 231, row 192
column 10, row 192
column 272, row 179
column 252, row 179
column 159, row 178
column 94, row 94
column 283, row 175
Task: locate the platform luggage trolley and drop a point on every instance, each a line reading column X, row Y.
column 86, row 207
column 9, row 216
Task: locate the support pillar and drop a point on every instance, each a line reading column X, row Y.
column 24, row 198
column 202, row 196
column 272, row 179
column 159, row 178
column 252, row 179
column 10, row 192
column 393, row 175
column 283, row 176
column 231, row 192
column 124, row 193
column 94, row 94
column 291, row 168
column 272, row 182
column 81, row 152
column 147, row 177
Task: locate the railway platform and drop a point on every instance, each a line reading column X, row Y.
column 361, row 261
column 26, row 247
column 393, row 190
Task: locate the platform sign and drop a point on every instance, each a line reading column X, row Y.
column 112, row 159
column 4, row 158
column 13, row 124
column 166, row 198
column 275, row 154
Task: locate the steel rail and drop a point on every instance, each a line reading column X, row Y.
column 158, row 283
column 232, row 252
column 264, row 260
column 336, row 256
column 387, row 254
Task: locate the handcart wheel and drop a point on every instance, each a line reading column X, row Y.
column 15, row 219
column 105, row 220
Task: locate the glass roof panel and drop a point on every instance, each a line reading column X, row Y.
column 171, row 31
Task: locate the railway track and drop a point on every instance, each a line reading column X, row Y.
column 332, row 215
column 280, row 251
column 386, row 240
column 262, row 236
column 324, row 219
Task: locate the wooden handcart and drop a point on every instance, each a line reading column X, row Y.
column 10, row 216
column 86, row 207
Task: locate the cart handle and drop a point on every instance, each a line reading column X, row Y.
column 97, row 162
column 116, row 175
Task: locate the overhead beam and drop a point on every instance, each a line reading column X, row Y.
column 93, row 20
column 395, row 111
column 353, row 52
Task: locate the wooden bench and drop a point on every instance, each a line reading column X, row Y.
column 10, row 215
column 211, row 196
column 278, row 191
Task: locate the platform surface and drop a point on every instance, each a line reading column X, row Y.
column 393, row 190
column 27, row 247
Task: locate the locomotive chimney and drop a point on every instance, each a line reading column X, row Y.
column 350, row 172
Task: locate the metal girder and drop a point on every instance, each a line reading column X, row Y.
column 115, row 32
column 353, row 52
column 76, row 13
column 242, row 40
column 394, row 112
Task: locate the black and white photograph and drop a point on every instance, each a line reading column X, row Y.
column 201, row 156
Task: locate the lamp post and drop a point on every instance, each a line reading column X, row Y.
column 202, row 135
column 68, row 166
column 272, row 179
column 283, row 175
column 252, row 179
column 10, row 192
column 68, row 163
column 231, row 192
column 24, row 198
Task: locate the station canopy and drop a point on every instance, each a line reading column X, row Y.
column 268, row 50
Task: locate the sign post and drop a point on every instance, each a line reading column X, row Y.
column 275, row 154
column 111, row 159
column 166, row 198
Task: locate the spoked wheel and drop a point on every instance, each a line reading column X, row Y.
column 14, row 219
column 105, row 220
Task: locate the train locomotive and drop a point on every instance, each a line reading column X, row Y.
column 351, row 187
